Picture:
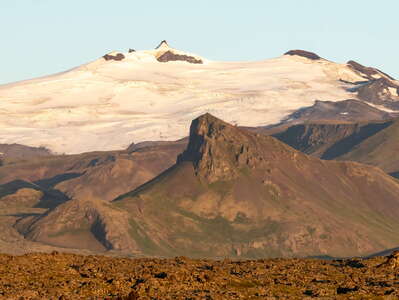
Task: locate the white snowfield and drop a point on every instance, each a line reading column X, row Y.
column 107, row 105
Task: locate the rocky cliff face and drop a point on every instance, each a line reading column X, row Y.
column 219, row 150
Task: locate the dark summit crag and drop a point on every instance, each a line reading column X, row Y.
column 303, row 53
column 170, row 56
column 117, row 57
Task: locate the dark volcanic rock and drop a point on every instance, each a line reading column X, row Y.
column 68, row 276
column 346, row 290
column 392, row 260
column 117, row 57
column 170, row 56
column 217, row 149
column 131, row 50
column 368, row 71
column 303, row 53
column 163, row 43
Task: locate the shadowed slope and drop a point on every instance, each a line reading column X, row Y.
column 328, row 140
column 374, row 143
column 380, row 149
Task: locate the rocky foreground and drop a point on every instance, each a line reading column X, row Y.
column 69, row 276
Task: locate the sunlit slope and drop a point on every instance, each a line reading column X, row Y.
column 125, row 97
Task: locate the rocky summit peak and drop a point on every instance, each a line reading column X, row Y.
column 219, row 150
column 163, row 45
column 303, row 53
column 167, row 54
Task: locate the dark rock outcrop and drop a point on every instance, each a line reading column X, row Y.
column 367, row 71
column 303, row 53
column 163, row 43
column 392, row 260
column 117, row 57
column 350, row 110
column 131, row 50
column 217, row 149
column 170, row 56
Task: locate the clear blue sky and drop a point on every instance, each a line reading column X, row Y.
column 40, row 37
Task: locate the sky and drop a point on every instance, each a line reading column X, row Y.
column 41, row 37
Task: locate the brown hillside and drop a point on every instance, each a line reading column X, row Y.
column 103, row 175
column 81, row 224
column 236, row 193
column 29, row 188
column 380, row 149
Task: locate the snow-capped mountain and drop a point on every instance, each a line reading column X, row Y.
column 154, row 94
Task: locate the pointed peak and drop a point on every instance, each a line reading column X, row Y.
column 163, row 45
column 219, row 150
column 206, row 124
column 209, row 118
column 303, row 53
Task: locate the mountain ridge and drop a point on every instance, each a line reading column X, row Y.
column 134, row 97
column 268, row 196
